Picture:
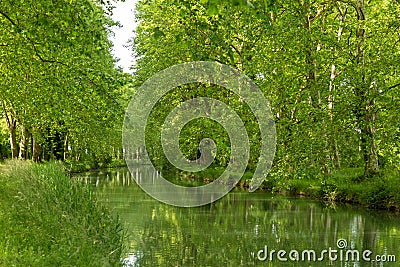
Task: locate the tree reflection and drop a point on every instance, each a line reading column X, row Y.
column 230, row 231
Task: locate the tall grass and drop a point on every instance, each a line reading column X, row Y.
column 47, row 219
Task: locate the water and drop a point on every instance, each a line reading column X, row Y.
column 242, row 229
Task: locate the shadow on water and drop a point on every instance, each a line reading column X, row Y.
column 246, row 229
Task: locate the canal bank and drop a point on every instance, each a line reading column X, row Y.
column 381, row 191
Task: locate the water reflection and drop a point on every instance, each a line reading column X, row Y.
column 231, row 231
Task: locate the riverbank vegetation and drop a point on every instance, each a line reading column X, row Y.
column 340, row 186
column 47, row 219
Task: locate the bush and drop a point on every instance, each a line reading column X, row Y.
column 49, row 220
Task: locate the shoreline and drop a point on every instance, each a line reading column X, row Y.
column 342, row 187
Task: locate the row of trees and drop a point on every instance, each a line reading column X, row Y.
column 58, row 85
column 328, row 68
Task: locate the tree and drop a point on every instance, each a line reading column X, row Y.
column 60, row 81
column 328, row 69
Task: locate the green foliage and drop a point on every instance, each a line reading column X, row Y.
column 193, row 132
column 347, row 185
column 328, row 69
column 60, row 82
column 47, row 219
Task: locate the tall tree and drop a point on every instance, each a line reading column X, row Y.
column 328, row 69
column 59, row 74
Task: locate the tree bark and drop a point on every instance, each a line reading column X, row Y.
column 37, row 150
column 12, row 129
column 367, row 115
column 13, row 139
column 334, row 150
column 65, row 154
column 314, row 93
column 23, row 144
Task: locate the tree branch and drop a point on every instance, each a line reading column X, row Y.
column 32, row 43
column 393, row 86
column 8, row 18
column 6, row 115
column 43, row 59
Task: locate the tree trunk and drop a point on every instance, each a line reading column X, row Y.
column 12, row 129
column 366, row 112
column 23, row 144
column 13, row 140
column 334, row 150
column 369, row 145
column 37, row 151
column 314, row 93
column 65, row 154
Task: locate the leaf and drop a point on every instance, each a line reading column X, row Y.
column 212, row 9
column 158, row 33
column 231, row 56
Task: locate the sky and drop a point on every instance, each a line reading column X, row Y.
column 124, row 13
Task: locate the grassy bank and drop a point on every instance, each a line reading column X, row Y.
column 346, row 186
column 46, row 219
column 74, row 166
column 343, row 186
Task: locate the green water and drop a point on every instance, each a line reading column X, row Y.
column 233, row 230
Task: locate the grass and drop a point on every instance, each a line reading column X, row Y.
column 46, row 219
column 348, row 186
column 73, row 166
